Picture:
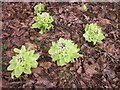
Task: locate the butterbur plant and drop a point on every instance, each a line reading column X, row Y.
column 43, row 22
column 84, row 7
column 93, row 33
column 22, row 62
column 63, row 51
column 39, row 8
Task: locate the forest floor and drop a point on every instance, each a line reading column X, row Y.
column 98, row 68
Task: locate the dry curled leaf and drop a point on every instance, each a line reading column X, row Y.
column 79, row 70
column 45, row 82
column 9, row 53
column 103, row 22
column 90, row 69
column 100, row 61
column 45, row 65
column 32, row 46
column 38, row 70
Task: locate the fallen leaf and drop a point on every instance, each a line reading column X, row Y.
column 74, row 86
column 0, row 83
column 110, row 73
column 83, row 85
column 79, row 70
column 31, row 46
column 110, row 48
column 45, row 82
column 9, row 53
column 28, row 83
column 16, row 41
column 3, row 84
column 103, row 22
column 4, row 35
column 45, row 65
column 15, row 33
column 24, row 25
column 38, row 70
column 90, row 69
column 112, row 15
column 100, row 61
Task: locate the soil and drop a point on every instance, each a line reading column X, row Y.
column 98, row 68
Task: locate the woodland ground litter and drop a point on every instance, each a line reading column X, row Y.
column 100, row 65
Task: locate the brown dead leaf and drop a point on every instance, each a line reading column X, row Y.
column 0, row 83
column 90, row 69
column 4, row 35
column 110, row 73
column 45, row 65
column 31, row 46
column 71, row 17
column 79, row 70
column 12, row 27
column 38, row 70
column 16, row 41
column 9, row 53
column 60, row 10
column 23, row 25
column 103, row 22
column 15, row 33
column 3, row 83
column 78, row 7
column 28, row 83
column 39, row 38
column 1, row 23
column 83, row 85
column 45, row 82
column 110, row 48
column 100, row 61
column 74, row 86
column 23, row 32
column 112, row 15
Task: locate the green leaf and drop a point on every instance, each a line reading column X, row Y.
column 36, row 25
column 13, row 74
column 11, row 67
column 18, row 71
column 23, row 48
column 41, row 32
column 13, row 60
column 16, row 50
column 31, row 52
column 27, row 70
column 34, row 64
column 36, row 56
